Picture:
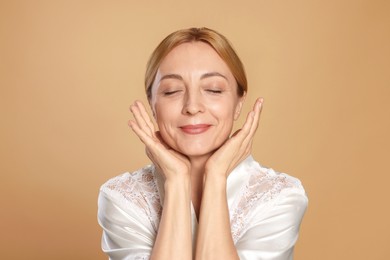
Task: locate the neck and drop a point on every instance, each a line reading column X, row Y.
column 198, row 164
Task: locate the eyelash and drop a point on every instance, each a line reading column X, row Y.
column 214, row 91
column 169, row 93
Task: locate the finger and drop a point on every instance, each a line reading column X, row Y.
column 250, row 126
column 237, row 141
column 135, row 110
column 244, row 131
column 257, row 112
column 154, row 148
column 145, row 115
column 142, row 135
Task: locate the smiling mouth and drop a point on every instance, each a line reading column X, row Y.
column 195, row 129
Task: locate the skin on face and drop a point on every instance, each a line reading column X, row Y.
column 194, row 99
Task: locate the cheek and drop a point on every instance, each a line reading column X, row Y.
column 162, row 118
column 223, row 111
column 159, row 110
column 165, row 118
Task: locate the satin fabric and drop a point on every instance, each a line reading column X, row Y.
column 265, row 207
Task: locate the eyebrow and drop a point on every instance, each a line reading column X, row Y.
column 213, row 74
column 171, row 76
column 206, row 75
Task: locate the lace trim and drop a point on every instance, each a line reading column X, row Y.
column 263, row 186
column 140, row 189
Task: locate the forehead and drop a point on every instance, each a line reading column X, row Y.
column 193, row 57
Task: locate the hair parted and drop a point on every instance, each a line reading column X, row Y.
column 216, row 40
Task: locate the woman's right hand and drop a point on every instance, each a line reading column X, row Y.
column 169, row 162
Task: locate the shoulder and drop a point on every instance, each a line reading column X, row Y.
column 129, row 180
column 274, row 204
column 138, row 187
column 266, row 190
column 266, row 184
column 273, row 193
column 266, row 194
column 128, row 211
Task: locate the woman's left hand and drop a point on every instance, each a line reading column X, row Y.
column 237, row 147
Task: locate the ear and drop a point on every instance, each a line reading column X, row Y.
column 239, row 105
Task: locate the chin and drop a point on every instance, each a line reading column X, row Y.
column 196, row 147
column 194, row 151
column 197, row 154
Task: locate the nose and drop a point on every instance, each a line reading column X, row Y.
column 193, row 104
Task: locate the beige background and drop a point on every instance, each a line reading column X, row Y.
column 70, row 69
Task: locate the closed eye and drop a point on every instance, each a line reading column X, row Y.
column 214, row 91
column 169, row 93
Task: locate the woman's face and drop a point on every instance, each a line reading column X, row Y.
column 194, row 99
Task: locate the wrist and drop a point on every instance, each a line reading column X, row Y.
column 179, row 182
column 218, row 180
column 176, row 175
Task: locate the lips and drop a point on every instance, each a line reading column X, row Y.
column 195, row 129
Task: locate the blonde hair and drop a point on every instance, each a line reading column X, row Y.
column 216, row 40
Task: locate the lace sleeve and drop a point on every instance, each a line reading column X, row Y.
column 128, row 212
column 137, row 192
column 266, row 220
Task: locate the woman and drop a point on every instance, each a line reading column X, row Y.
column 204, row 196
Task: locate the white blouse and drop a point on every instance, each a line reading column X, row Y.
column 265, row 208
